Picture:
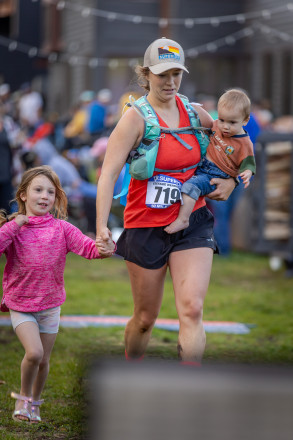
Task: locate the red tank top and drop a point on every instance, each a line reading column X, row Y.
column 172, row 155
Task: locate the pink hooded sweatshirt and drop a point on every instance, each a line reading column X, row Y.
column 36, row 255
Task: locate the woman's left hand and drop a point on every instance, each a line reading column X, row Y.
column 223, row 190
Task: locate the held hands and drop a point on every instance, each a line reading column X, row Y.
column 246, row 176
column 223, row 190
column 105, row 244
column 21, row 219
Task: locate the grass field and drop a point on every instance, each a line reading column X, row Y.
column 242, row 289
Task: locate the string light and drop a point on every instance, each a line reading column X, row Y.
column 86, row 12
column 94, row 62
column 188, row 22
column 240, row 18
column 12, row 46
column 52, row 57
column 112, row 16
column 32, row 52
column 137, row 19
column 215, row 22
column 60, row 5
column 113, row 64
column 266, row 14
column 163, row 22
column 230, row 40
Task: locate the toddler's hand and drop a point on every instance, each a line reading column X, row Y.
column 21, row 219
column 246, row 176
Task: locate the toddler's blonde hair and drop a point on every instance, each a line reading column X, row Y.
column 236, row 98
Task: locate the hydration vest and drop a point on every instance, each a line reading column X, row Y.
column 140, row 163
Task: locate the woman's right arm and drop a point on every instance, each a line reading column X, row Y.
column 124, row 138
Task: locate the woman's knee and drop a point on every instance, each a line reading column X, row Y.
column 193, row 309
column 146, row 321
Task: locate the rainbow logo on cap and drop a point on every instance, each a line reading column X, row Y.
column 168, row 52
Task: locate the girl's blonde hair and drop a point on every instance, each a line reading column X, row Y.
column 236, row 98
column 59, row 209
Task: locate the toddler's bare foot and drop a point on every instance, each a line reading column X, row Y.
column 177, row 225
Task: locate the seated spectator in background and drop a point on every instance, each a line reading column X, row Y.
column 30, row 106
column 96, row 117
column 283, row 124
column 75, row 132
column 124, row 99
column 97, row 152
column 263, row 114
column 5, row 100
column 209, row 103
column 6, row 188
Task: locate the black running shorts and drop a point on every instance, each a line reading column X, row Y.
column 150, row 247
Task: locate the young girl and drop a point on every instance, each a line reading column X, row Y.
column 35, row 244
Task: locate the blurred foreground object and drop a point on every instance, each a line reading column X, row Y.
column 167, row 401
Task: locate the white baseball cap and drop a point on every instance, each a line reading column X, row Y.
column 164, row 54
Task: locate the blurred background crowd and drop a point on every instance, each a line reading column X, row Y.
column 66, row 73
column 74, row 146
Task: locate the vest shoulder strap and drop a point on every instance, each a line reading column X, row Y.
column 152, row 130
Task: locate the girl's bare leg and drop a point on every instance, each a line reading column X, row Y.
column 48, row 341
column 29, row 336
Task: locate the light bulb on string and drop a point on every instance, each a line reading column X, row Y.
column 32, row 52
column 137, row 19
column 240, row 18
column 12, row 46
column 133, row 62
column 60, row 5
column 192, row 53
column 112, row 16
column 285, row 37
column 266, row 14
column 248, row 32
column 211, row 47
column 93, row 63
column 73, row 61
column 52, row 58
column 230, row 40
column 215, row 21
column 188, row 23
column 86, row 12
column 163, row 22
column 113, row 64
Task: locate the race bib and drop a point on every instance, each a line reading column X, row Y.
column 163, row 191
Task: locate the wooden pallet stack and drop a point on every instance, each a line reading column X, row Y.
column 278, row 198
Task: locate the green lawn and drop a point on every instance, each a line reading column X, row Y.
column 242, row 289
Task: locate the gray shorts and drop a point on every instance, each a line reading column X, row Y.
column 47, row 320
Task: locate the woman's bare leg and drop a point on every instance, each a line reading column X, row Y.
column 147, row 290
column 190, row 271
